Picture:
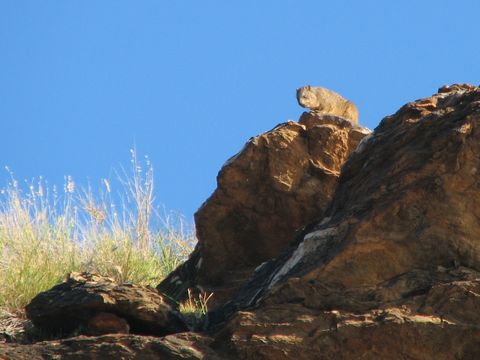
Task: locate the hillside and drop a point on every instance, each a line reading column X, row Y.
column 323, row 240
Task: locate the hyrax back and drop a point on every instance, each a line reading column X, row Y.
column 327, row 102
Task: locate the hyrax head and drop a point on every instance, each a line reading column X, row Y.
column 306, row 97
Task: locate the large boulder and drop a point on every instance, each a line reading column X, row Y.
column 393, row 269
column 96, row 305
column 279, row 182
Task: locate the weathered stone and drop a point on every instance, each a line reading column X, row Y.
column 97, row 305
column 280, row 181
column 113, row 347
column 392, row 271
column 292, row 331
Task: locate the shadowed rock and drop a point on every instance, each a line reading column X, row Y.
column 95, row 304
column 113, row 347
column 107, row 323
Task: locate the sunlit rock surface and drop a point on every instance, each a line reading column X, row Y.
column 279, row 182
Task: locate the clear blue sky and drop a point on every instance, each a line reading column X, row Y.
column 190, row 81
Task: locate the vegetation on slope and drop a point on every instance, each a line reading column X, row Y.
column 46, row 233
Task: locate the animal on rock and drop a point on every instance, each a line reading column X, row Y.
column 327, row 102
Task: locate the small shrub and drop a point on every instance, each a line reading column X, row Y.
column 195, row 309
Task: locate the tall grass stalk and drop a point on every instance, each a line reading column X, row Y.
column 45, row 234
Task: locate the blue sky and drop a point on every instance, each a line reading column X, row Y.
column 189, row 82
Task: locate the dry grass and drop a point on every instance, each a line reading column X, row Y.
column 46, row 233
column 195, row 309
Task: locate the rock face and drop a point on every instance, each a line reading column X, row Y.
column 96, row 305
column 439, row 322
column 392, row 271
column 408, row 199
column 280, row 181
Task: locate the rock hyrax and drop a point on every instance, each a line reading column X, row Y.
column 324, row 101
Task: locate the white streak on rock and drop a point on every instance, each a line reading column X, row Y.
column 320, row 234
column 309, row 244
column 325, row 220
column 260, row 266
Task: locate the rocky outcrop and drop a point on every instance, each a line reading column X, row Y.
column 95, row 305
column 436, row 322
column 392, row 271
column 307, row 334
column 407, row 199
column 280, row 181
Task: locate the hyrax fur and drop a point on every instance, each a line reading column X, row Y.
column 327, row 102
